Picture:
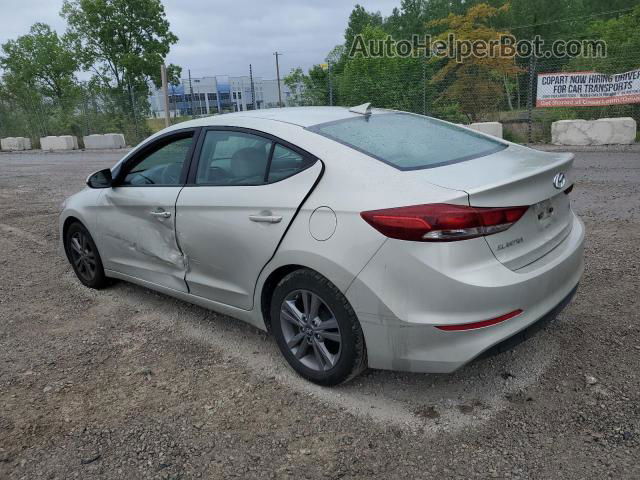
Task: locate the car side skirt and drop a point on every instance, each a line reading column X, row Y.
column 247, row 316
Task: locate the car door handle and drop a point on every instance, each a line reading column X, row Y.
column 265, row 218
column 161, row 214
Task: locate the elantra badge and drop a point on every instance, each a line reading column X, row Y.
column 559, row 180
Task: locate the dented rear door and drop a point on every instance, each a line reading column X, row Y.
column 246, row 191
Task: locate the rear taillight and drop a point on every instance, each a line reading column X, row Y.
column 441, row 222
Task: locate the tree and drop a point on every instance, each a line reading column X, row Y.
column 359, row 19
column 391, row 81
column 295, row 80
column 409, row 20
column 41, row 60
column 309, row 89
column 123, row 42
column 476, row 83
column 39, row 86
column 174, row 73
column 622, row 35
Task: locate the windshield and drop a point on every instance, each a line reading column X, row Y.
column 407, row 141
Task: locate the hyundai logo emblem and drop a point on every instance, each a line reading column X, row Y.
column 559, row 180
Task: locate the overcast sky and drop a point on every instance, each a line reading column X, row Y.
column 222, row 37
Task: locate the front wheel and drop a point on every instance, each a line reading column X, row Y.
column 84, row 257
column 316, row 329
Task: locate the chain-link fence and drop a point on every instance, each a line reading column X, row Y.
column 84, row 111
column 471, row 92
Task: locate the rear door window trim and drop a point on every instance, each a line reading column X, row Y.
column 193, row 169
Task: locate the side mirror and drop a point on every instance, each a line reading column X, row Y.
column 101, row 179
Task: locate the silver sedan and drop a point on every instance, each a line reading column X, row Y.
column 357, row 237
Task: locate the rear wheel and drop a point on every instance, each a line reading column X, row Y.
column 316, row 329
column 84, row 257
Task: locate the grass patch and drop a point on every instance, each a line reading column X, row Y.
column 157, row 124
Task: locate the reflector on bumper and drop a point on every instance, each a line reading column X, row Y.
column 480, row 324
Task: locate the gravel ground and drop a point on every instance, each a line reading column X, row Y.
column 128, row 383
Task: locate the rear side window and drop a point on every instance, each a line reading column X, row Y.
column 228, row 157
column 409, row 142
column 285, row 162
column 233, row 158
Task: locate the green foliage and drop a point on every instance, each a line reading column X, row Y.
column 42, row 60
column 622, row 35
column 358, row 20
column 311, row 88
column 391, row 82
column 39, row 86
column 122, row 42
column 477, row 84
column 475, row 89
column 295, row 80
column 174, row 73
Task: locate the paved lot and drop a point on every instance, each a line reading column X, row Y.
column 127, row 383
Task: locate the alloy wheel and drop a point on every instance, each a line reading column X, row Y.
column 83, row 256
column 310, row 330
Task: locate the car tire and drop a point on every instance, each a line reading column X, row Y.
column 84, row 257
column 332, row 355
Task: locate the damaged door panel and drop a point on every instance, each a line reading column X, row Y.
column 136, row 217
column 231, row 217
column 138, row 235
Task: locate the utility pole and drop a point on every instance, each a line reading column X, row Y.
column 277, row 54
column 200, row 109
column 193, row 112
column 165, row 93
column 253, row 90
column 532, row 69
column 424, row 86
column 133, row 110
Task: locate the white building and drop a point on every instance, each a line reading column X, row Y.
column 219, row 94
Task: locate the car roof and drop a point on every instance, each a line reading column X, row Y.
column 301, row 116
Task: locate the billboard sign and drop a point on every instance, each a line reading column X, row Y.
column 587, row 89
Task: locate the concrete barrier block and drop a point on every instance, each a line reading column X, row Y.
column 615, row 131
column 63, row 142
column 15, row 143
column 108, row 140
column 604, row 131
column 570, row 132
column 490, row 128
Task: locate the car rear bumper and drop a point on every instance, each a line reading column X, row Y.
column 407, row 289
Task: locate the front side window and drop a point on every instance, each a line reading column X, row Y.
column 407, row 141
column 233, row 158
column 161, row 167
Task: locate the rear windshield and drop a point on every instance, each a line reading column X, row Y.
column 407, row 141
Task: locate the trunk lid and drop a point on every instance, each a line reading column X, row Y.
column 517, row 176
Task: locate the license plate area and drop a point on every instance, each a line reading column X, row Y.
column 545, row 212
